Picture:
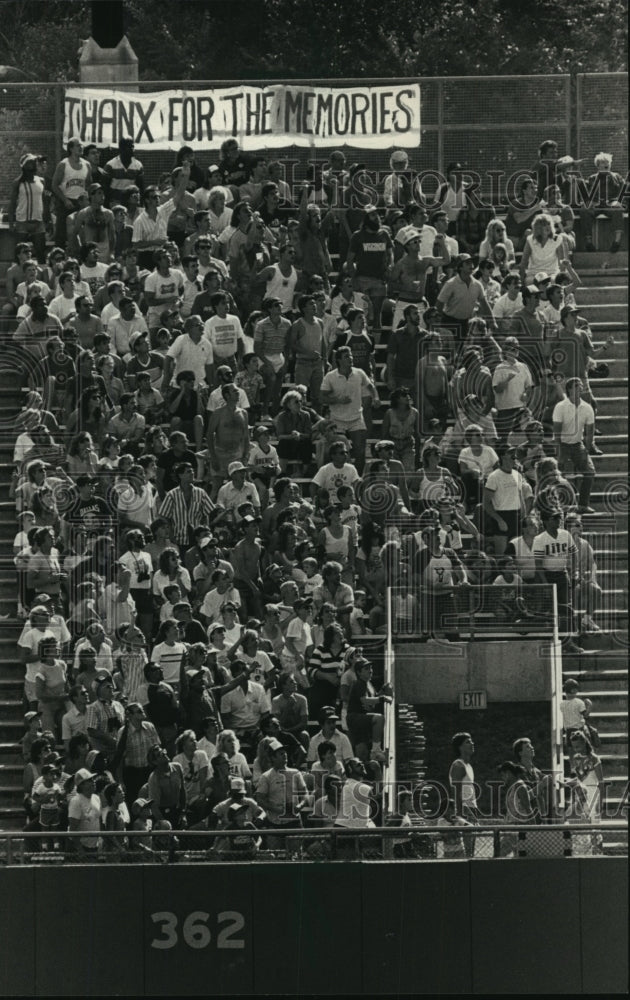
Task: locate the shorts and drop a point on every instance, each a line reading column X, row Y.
column 370, row 286
column 511, row 518
column 30, row 691
column 348, row 426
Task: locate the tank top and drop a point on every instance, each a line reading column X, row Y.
column 402, row 430
column 467, row 784
column 542, row 258
column 337, row 548
column 432, row 490
column 30, row 201
column 281, row 287
column 74, row 181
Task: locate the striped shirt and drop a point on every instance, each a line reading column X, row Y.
column 182, row 514
column 139, row 742
column 30, row 201
column 322, row 660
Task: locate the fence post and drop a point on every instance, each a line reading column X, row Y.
column 440, row 126
column 59, row 103
column 579, row 77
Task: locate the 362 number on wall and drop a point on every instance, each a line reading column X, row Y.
column 195, row 932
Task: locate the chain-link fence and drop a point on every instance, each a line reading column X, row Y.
column 602, row 119
column 473, row 611
column 442, row 840
column 488, row 124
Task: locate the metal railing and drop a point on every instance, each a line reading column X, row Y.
column 472, row 611
column 491, row 840
column 389, row 714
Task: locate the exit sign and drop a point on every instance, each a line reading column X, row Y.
column 473, row 699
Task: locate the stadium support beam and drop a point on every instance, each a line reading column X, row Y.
column 107, row 56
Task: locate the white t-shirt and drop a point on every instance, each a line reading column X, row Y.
column 94, row 276
column 511, row 397
column 351, row 387
column 572, row 710
column 190, row 357
column 88, row 812
column 330, row 478
column 573, row 419
column 223, row 335
column 216, row 400
column 164, row 286
column 505, row 307
column 214, row 601
column 169, row 658
column 508, row 488
column 525, row 559
column 30, row 640
column 556, row 552
column 354, row 810
column 485, row 462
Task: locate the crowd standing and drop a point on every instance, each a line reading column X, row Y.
column 208, row 521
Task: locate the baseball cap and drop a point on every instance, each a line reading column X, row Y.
column 261, row 429
column 275, row 744
column 213, row 168
column 541, row 277
column 236, row 467
column 142, row 803
column 369, row 209
column 399, row 156
column 82, row 775
column 330, row 717
column 237, row 785
column 135, row 337
column 26, row 158
column 567, row 161
column 406, row 234
column 564, row 312
column 532, row 289
column 511, row 341
column 43, row 599
column 29, row 716
column 250, row 519
column 383, row 444
column 103, row 677
column 50, row 769
column 205, row 542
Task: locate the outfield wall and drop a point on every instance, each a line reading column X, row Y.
column 373, row 928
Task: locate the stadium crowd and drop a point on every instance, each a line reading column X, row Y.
column 208, row 520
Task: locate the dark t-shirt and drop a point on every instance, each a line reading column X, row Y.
column 406, row 347
column 370, row 251
column 168, row 460
column 235, row 172
column 93, row 514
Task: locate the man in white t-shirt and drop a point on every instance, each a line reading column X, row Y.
column 162, row 287
column 573, row 430
column 224, row 332
column 356, row 798
column 343, row 390
column 507, row 498
column 190, row 352
column 338, row 472
column 512, row 383
column 508, row 304
column 556, row 553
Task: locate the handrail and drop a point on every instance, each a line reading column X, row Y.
column 292, row 838
column 389, row 713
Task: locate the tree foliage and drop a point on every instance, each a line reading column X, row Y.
column 289, row 39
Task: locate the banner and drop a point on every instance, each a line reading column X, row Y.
column 257, row 117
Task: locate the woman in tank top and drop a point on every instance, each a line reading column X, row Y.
column 336, row 543
column 434, row 481
column 400, row 425
column 543, row 250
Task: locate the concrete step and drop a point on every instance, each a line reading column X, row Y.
column 593, row 295
column 605, row 699
column 603, row 312
column 614, row 721
column 599, row 261
column 604, row 387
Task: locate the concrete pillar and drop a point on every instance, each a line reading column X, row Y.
column 118, row 66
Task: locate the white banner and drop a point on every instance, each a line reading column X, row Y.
column 258, row 117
